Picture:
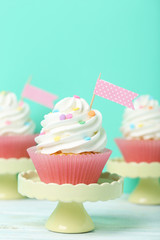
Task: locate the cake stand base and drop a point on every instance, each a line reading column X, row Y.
column 70, row 218
column 8, row 187
column 147, row 192
column 70, row 215
column 148, row 189
column 9, row 169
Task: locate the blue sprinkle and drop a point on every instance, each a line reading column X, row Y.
column 132, row 126
column 150, row 98
column 55, row 110
column 27, row 123
column 87, row 138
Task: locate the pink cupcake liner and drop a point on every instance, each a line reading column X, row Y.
column 139, row 150
column 16, row 146
column 70, row 168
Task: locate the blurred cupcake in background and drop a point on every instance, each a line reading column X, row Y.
column 141, row 131
column 71, row 146
column 16, row 127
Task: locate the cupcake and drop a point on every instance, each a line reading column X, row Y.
column 71, row 145
column 141, row 131
column 16, row 127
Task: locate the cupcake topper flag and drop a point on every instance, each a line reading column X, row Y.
column 38, row 95
column 113, row 93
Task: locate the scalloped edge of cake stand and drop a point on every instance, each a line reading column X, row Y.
column 9, row 168
column 70, row 215
column 148, row 189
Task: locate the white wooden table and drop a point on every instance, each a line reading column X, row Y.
column 114, row 220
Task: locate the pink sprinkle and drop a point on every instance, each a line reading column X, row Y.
column 141, row 107
column 8, row 122
column 42, row 133
column 68, row 116
column 75, row 96
column 21, row 103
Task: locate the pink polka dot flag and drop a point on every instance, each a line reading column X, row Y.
column 114, row 93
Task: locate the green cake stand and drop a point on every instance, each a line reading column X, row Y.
column 148, row 189
column 70, row 215
column 9, row 168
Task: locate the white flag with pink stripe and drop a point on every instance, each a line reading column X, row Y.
column 114, row 93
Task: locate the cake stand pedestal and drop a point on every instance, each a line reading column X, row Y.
column 70, row 216
column 148, row 189
column 9, row 168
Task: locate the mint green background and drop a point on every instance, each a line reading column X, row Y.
column 65, row 44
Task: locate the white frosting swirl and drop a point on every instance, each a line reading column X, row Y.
column 14, row 116
column 78, row 133
column 144, row 121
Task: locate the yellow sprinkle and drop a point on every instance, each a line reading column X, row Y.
column 19, row 108
column 56, row 139
column 75, row 109
column 3, row 93
column 140, row 125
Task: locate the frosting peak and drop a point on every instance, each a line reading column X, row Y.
column 73, row 105
column 72, row 128
column 144, row 121
column 14, row 116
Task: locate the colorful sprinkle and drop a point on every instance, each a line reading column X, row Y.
column 150, row 107
column 57, row 138
column 75, row 96
column 68, row 116
column 21, row 103
column 19, row 108
column 81, row 122
column 42, row 133
column 75, row 109
column 91, row 113
column 141, row 106
column 140, row 125
column 132, row 126
column 27, row 123
column 8, row 122
column 87, row 138
column 55, row 110
column 62, row 117
column 150, row 98
column 3, row 93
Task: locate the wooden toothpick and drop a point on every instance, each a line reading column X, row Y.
column 94, row 94
column 29, row 80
